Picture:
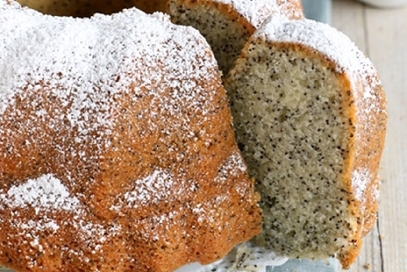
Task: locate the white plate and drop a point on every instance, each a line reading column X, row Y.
column 247, row 258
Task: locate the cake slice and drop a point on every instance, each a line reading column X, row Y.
column 228, row 24
column 310, row 116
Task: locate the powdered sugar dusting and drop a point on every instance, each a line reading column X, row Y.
column 256, row 12
column 376, row 192
column 81, row 62
column 70, row 83
column 150, row 189
column 325, row 39
column 233, row 166
column 47, row 194
column 45, row 223
column 44, row 192
column 80, row 67
column 360, row 178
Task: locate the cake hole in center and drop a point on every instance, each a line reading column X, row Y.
column 86, row 8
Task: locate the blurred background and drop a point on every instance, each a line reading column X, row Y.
column 320, row 10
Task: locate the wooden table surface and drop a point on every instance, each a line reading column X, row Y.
column 382, row 35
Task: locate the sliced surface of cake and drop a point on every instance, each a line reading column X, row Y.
column 310, row 116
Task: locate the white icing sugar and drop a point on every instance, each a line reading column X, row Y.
column 257, row 11
column 158, row 186
column 376, row 192
column 166, row 220
column 360, row 178
column 44, row 224
column 44, row 192
column 234, row 165
column 48, row 193
column 84, row 63
column 35, row 244
column 325, row 39
column 150, row 189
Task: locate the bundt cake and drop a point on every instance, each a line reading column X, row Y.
column 117, row 147
column 86, row 8
column 310, row 117
column 228, row 24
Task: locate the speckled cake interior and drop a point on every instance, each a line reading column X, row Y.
column 225, row 36
column 227, row 25
column 294, row 137
column 309, row 113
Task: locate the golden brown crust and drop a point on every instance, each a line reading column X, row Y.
column 369, row 123
column 115, row 177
